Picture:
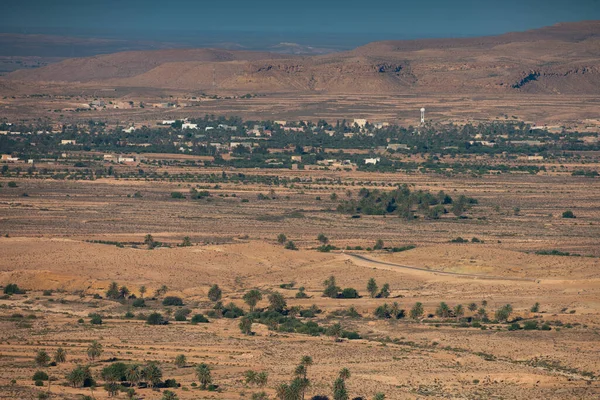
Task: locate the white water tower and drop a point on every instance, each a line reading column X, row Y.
column 422, row 115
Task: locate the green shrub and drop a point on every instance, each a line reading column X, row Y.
column 172, row 301
column 39, row 383
column 139, row 303
column 156, row 319
column 232, row 311
column 290, row 245
column 12, row 288
column 530, row 325
column 95, row 319
column 177, row 195
column 568, row 214
column 40, row 376
column 514, row 327
column 181, row 314
column 546, row 327
column 351, row 335
column 199, row 319
column 349, row 293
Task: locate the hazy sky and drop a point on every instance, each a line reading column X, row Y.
column 394, row 18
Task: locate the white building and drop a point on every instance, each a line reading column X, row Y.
column 9, row 158
column 360, row 122
column 372, row 161
column 125, row 159
column 129, row 130
column 63, row 142
column 188, row 125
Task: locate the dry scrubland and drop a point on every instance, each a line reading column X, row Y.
column 234, row 246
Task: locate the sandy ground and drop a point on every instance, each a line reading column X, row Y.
column 233, row 247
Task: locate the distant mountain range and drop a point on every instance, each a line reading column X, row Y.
column 563, row 58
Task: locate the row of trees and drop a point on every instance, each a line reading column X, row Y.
column 405, row 203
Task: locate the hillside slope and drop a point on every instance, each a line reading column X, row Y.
column 564, row 58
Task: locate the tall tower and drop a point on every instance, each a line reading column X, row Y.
column 422, row 116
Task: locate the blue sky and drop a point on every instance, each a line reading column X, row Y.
column 391, row 18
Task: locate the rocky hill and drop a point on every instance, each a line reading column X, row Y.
column 563, row 58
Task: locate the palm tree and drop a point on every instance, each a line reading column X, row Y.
column 169, row 395
column 339, row 390
column 472, row 306
column 459, row 311
column 60, row 355
column 142, row 291
column 335, row 331
column 281, row 391
column 203, row 373
column 246, row 325
column 385, row 291
column 481, row 313
column 123, row 292
column 395, row 309
column 113, row 291
column 379, row 396
column 42, row 358
column 417, row 311
column 149, row 241
column 300, row 371
column 215, row 293
column 307, row 361
column 261, row 378
column 252, row 298
column 344, row 373
column 443, row 310
column 180, row 360
column 250, row 376
column 297, row 388
column 281, row 238
column 152, row 374
column 78, row 376
column 94, row 350
column 372, row 287
column 133, row 374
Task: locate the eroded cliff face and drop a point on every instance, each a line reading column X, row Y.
column 559, row 59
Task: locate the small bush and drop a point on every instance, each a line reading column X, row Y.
column 514, row 327
column 350, row 335
column 172, row 301
column 95, row 319
column 199, row 319
column 40, row 376
column 568, row 214
column 290, row 245
column 12, row 288
column 349, row 293
column 129, row 315
column 459, row 240
column 139, row 303
column 39, row 383
column 181, row 314
column 156, row 319
column 12, row 184
column 530, row 325
column 177, row 195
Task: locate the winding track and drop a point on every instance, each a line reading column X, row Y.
column 457, row 274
